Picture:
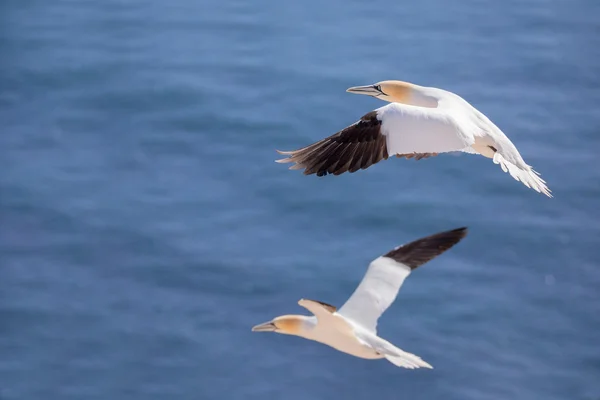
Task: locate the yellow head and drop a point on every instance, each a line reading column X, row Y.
column 286, row 324
column 397, row 92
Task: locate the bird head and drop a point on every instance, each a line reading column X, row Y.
column 397, row 92
column 285, row 324
column 392, row 91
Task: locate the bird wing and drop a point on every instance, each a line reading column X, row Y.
column 525, row 174
column 506, row 155
column 469, row 150
column 410, row 129
column 355, row 147
column 519, row 171
column 385, row 276
column 395, row 129
column 317, row 307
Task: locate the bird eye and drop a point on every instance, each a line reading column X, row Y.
column 378, row 87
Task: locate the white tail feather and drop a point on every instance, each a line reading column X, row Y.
column 528, row 177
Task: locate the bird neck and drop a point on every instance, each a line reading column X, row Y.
column 303, row 326
column 421, row 96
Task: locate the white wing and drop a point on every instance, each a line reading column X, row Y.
column 505, row 153
column 395, row 129
column 386, row 274
column 376, row 292
column 527, row 175
column 410, row 129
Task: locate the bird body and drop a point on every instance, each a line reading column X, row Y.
column 418, row 122
column 334, row 330
column 353, row 328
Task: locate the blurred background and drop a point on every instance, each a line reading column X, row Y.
column 144, row 226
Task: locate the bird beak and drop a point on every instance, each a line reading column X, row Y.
column 370, row 90
column 266, row 327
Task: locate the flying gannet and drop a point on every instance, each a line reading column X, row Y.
column 419, row 122
column 353, row 328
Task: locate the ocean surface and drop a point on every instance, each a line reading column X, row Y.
column 145, row 227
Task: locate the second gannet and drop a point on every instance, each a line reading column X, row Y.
column 419, row 122
column 353, row 328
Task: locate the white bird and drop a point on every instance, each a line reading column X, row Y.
column 353, row 328
column 419, row 122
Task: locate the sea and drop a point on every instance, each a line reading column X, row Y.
column 145, row 227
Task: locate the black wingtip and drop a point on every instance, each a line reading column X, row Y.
column 417, row 253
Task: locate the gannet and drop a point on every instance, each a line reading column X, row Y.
column 353, row 328
column 419, row 122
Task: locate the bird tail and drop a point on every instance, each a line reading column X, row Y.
column 407, row 360
column 528, row 176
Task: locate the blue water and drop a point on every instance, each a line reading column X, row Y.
column 144, row 227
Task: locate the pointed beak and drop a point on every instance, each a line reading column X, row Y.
column 266, row 327
column 370, row 90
